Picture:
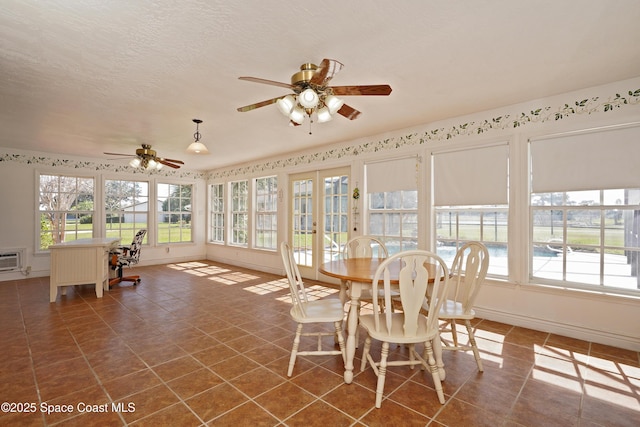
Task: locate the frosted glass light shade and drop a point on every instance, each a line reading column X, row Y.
column 297, row 115
column 285, row 105
column 308, row 98
column 333, row 103
column 135, row 163
column 197, row 148
column 324, row 115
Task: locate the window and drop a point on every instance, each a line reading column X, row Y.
column 470, row 195
column 585, row 209
column 66, row 209
column 393, row 203
column 126, row 205
column 587, row 237
column 456, row 225
column 239, row 212
column 216, row 207
column 266, row 211
column 393, row 216
column 174, row 213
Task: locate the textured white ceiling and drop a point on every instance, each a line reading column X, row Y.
column 87, row 76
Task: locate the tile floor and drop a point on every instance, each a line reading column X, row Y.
column 202, row 343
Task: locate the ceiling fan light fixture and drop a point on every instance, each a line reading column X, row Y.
column 135, row 163
column 297, row 115
column 324, row 115
column 308, row 98
column 333, row 103
column 286, row 104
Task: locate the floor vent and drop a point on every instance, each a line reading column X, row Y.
column 10, row 260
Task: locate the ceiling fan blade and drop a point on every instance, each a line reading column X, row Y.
column 171, row 165
column 266, row 82
column 119, row 154
column 259, row 104
column 348, row 112
column 171, row 160
column 325, row 72
column 361, row 90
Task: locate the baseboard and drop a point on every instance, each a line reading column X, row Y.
column 598, row 336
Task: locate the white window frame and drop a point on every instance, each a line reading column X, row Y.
column 266, row 213
column 217, row 213
column 239, row 213
column 129, row 233
column 184, row 231
column 66, row 212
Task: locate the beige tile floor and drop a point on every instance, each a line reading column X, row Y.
column 202, row 343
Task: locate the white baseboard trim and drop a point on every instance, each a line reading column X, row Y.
column 567, row 330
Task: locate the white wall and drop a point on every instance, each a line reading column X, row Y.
column 18, row 193
column 612, row 320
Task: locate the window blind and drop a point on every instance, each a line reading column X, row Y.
column 475, row 176
column 392, row 175
column 596, row 160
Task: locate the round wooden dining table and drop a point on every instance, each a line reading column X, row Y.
column 357, row 274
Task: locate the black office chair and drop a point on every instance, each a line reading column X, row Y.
column 126, row 256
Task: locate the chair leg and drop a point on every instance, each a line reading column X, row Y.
column 341, row 340
column 365, row 353
column 382, row 373
column 431, row 361
column 474, row 346
column 294, row 350
column 454, row 332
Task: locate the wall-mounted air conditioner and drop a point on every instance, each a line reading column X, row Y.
column 11, row 259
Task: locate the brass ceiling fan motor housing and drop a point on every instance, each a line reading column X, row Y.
column 307, row 71
column 146, row 151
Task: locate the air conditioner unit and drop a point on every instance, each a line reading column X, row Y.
column 10, row 260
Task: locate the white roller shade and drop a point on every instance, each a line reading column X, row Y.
column 475, row 176
column 392, row 175
column 606, row 159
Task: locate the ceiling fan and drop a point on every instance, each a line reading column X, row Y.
column 312, row 94
column 146, row 158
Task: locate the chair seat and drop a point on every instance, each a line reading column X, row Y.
column 327, row 310
column 397, row 334
column 455, row 310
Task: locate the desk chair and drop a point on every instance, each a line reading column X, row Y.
column 127, row 256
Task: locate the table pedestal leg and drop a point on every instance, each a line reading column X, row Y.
column 351, row 329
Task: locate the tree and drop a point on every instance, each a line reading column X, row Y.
column 116, row 194
column 179, row 200
column 58, row 194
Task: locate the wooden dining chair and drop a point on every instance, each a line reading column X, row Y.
column 468, row 271
column 365, row 247
column 410, row 326
column 305, row 311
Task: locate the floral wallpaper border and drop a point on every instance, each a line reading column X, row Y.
column 540, row 115
column 94, row 166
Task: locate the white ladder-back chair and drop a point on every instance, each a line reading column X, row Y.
column 468, row 271
column 365, row 247
column 410, row 326
column 305, row 311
